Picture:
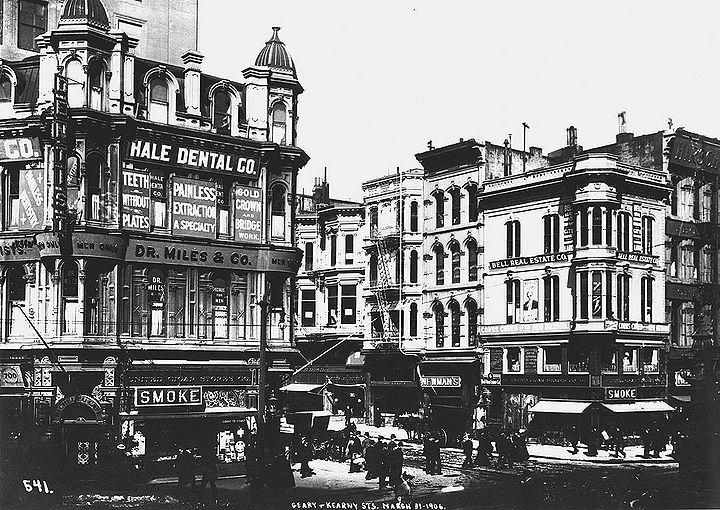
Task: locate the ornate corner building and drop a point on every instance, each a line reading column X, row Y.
column 147, row 208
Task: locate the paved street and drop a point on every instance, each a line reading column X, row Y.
column 538, row 483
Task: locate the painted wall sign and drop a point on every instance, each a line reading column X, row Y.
column 83, row 244
column 194, row 254
column 528, row 261
column 18, row 249
column 440, row 381
column 696, row 152
column 550, row 380
column 192, row 158
column 248, row 214
column 620, row 393
column 20, row 149
column 152, row 396
column 32, row 198
column 135, row 200
column 640, row 380
column 234, row 377
column 194, row 210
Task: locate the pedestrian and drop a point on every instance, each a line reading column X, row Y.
column 427, row 453
column 656, row 439
column 250, row 459
column 485, row 449
column 383, row 462
column 504, row 449
column 354, row 452
column 467, row 446
column 209, row 475
column 377, row 418
column 647, row 441
column 371, row 460
column 396, row 460
column 185, row 470
column 574, row 437
column 348, row 415
column 619, row 440
column 437, row 461
column 305, row 455
column 520, row 451
column 403, row 490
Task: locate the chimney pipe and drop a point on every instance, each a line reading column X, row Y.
column 622, row 122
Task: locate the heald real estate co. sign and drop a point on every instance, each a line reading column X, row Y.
column 192, row 158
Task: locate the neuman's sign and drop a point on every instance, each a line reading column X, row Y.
column 192, row 158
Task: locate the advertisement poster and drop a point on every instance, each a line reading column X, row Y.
column 530, row 301
column 32, row 200
column 248, row 214
column 194, row 207
column 135, row 200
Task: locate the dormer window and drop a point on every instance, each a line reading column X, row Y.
column 76, row 84
column 158, row 104
column 222, row 117
column 32, row 21
column 279, row 117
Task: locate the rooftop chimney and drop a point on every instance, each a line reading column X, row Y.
column 623, row 135
column 571, row 136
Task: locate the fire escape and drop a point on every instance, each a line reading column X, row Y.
column 384, row 290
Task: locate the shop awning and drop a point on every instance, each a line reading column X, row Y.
column 560, row 407
column 641, row 406
column 682, row 398
column 301, row 387
column 445, row 361
column 356, row 359
column 211, row 412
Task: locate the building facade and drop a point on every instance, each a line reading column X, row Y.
column 392, row 292
column 147, row 214
column 574, row 284
column 330, row 319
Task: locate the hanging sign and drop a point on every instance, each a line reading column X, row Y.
column 32, row 199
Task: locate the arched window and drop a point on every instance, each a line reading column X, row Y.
column 472, row 203
column 439, row 209
column 413, row 266
column 439, row 312
column 278, row 213
column 454, row 308
column 93, row 175
column 96, row 76
column 159, row 101
column 76, row 84
column 413, row 319
column 455, row 197
column 69, row 295
column 472, row 260
column 222, row 113
column 17, row 298
column 6, row 88
column 413, row 216
column 279, row 129
column 472, row 321
column 439, row 265
column 308, row 256
column 455, row 251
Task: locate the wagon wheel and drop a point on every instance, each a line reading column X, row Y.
column 443, row 437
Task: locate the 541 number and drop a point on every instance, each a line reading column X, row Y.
column 37, row 485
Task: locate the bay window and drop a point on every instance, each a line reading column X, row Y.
column 69, row 297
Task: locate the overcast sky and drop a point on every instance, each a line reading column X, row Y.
column 383, row 78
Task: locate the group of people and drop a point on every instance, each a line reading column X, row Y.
column 654, row 439
column 187, row 466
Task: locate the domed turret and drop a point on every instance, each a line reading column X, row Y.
column 274, row 55
column 91, row 12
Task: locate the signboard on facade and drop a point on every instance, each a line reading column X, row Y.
column 32, row 199
column 440, row 381
column 697, row 153
column 11, row 377
column 152, row 396
column 14, row 249
column 194, row 210
column 226, row 257
column 528, row 261
column 638, row 257
column 192, row 158
column 544, row 380
column 135, row 200
column 83, row 244
column 610, row 380
column 20, row 149
column 248, row 214
column 235, row 377
column 621, row 393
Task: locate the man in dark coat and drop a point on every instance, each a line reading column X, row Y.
column 485, row 449
column 371, row 460
column 383, row 462
column 574, row 437
column 504, row 449
column 396, row 460
column 467, row 446
column 354, row 450
column 436, row 460
column 427, row 453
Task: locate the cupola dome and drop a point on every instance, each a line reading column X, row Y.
column 275, row 55
column 91, row 12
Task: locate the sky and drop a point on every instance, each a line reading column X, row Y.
column 382, row 79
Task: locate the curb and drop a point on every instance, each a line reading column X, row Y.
column 612, row 461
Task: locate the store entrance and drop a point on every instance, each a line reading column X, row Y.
column 81, row 444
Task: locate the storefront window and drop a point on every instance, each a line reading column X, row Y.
column 608, row 360
column 630, row 361
column 650, row 361
column 551, row 359
column 577, row 360
column 513, row 362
